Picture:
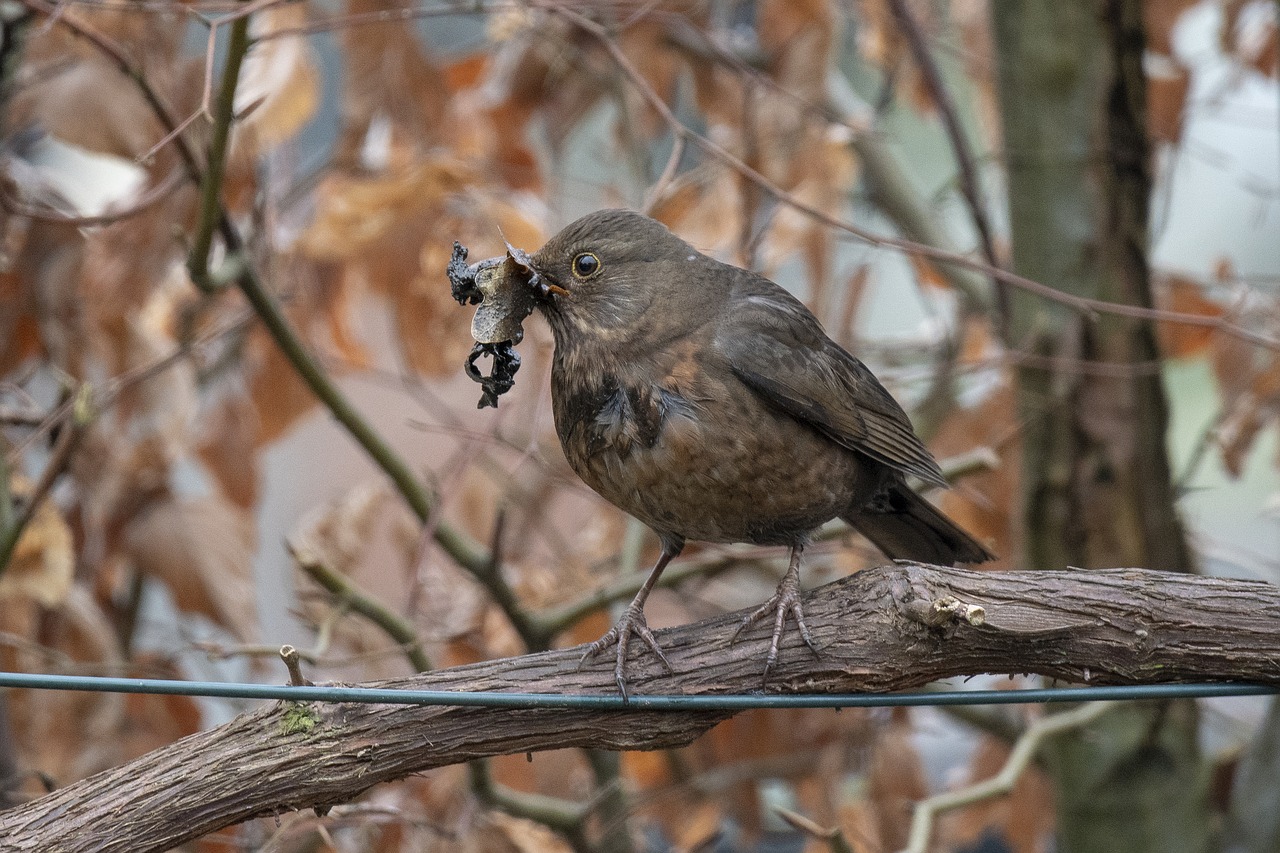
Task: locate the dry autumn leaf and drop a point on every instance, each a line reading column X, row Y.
column 43, row 562
column 279, row 88
column 895, row 780
column 202, row 551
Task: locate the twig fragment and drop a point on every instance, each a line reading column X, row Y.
column 292, row 660
column 1023, row 751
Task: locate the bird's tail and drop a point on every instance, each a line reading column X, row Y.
column 905, row 526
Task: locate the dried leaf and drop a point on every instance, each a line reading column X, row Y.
column 227, row 443
column 42, row 565
column 1168, row 85
column 927, row 272
column 337, row 535
column 985, row 503
column 1159, row 17
column 895, row 780
column 882, row 43
column 1249, row 386
column 279, row 79
column 1176, row 293
column 152, row 720
column 279, row 395
column 202, row 550
column 525, row 836
column 65, row 735
column 1251, row 413
column 1249, row 34
column 394, row 100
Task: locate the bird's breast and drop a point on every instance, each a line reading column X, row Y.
column 698, row 459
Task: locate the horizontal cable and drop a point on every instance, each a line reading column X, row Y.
column 614, row 702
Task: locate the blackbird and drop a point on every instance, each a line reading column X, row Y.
column 707, row 401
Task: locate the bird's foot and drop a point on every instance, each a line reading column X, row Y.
column 632, row 622
column 786, row 599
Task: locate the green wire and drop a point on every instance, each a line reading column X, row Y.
column 614, row 702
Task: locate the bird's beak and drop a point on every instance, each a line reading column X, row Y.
column 543, row 287
column 546, row 288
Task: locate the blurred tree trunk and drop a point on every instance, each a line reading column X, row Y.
column 1096, row 483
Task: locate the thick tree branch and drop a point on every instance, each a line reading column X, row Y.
column 883, row 629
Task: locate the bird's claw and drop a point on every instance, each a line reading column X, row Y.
column 632, row 622
column 785, row 599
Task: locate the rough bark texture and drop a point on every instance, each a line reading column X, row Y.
column 1096, row 483
column 882, row 629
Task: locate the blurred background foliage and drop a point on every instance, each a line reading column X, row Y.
column 162, row 463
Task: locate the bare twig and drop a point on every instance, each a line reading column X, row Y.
column 293, row 662
column 832, row 836
column 1023, row 751
column 211, row 209
column 352, row 596
column 969, row 186
column 564, row 816
column 68, row 440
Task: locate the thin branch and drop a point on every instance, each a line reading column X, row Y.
column 951, row 122
column 351, row 595
column 564, row 816
column 1002, row 783
column 68, row 440
column 832, row 836
column 211, row 209
column 655, row 193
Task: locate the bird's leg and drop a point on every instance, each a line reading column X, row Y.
column 786, row 599
column 633, row 622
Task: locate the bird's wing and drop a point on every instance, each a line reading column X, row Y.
column 777, row 348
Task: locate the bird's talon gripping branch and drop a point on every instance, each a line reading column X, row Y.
column 632, row 622
column 785, row 600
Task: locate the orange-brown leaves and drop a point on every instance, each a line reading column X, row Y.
column 201, row 550
column 1181, row 340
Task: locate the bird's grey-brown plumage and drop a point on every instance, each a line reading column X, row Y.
column 708, row 402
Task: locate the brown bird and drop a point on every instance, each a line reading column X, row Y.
column 706, row 401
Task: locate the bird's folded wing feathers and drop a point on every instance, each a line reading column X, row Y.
column 778, row 349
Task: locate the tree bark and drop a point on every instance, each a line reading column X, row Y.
column 882, row 629
column 1096, row 485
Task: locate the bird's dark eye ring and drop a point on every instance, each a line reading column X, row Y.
column 586, row 265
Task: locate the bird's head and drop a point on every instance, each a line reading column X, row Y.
column 602, row 277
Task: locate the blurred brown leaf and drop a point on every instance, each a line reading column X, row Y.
column 64, row 735
column 227, row 442
column 881, row 43
column 43, row 561
column 202, row 550
column 895, row 779
column 985, row 503
column 1248, row 386
column 152, row 720
column 279, row 83
column 279, row 395
column 1177, row 340
column 394, row 102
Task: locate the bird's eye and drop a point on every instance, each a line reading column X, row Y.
column 586, row 265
